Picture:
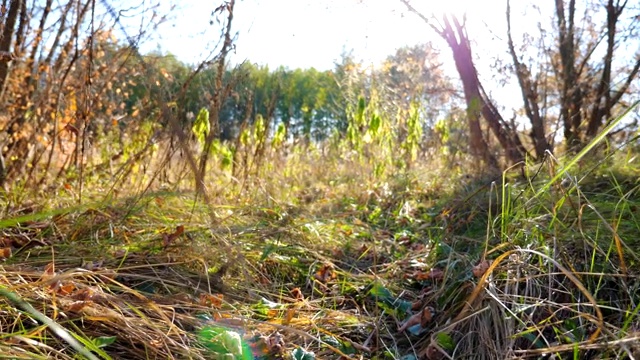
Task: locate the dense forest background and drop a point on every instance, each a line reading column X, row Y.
column 401, row 207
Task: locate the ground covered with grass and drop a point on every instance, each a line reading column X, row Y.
column 323, row 260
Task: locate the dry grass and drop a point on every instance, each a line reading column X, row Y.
column 317, row 253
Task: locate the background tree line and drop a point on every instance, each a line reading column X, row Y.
column 69, row 84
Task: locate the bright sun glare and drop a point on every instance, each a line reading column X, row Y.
column 454, row 7
column 305, row 33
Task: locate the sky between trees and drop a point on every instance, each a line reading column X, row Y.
column 316, row 33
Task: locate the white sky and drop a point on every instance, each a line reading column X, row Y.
column 314, row 33
column 309, row 33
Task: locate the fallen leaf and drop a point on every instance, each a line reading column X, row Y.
column 90, row 294
column 275, row 343
column 297, row 294
column 212, row 300
column 168, row 239
column 5, row 253
column 288, row 315
column 423, row 318
column 416, row 305
column 433, row 353
column 66, row 288
column 481, row 268
column 433, row 274
column 325, row 273
column 6, row 242
column 77, row 306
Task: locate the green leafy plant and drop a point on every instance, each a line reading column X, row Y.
column 201, row 126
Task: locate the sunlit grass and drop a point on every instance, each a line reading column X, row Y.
column 319, row 251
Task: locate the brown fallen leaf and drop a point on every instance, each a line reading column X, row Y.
column 275, row 343
column 211, row 300
column 423, row 318
column 288, row 316
column 66, row 288
column 432, row 352
column 6, row 242
column 481, row 268
column 76, row 306
column 90, row 294
column 325, row 273
column 296, row 293
column 433, row 274
column 169, row 239
column 417, row 305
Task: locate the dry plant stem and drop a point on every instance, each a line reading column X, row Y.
column 84, row 116
column 584, row 345
column 220, row 94
column 57, row 329
column 567, row 273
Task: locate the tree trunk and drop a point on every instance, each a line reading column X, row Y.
column 571, row 97
column 6, row 41
column 478, row 102
column 470, row 83
column 529, row 93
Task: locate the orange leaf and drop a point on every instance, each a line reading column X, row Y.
column 427, row 316
column 212, row 300
column 288, row 315
column 5, row 253
column 297, row 294
column 168, row 239
column 434, row 274
column 76, row 306
column 325, row 273
column 66, row 288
